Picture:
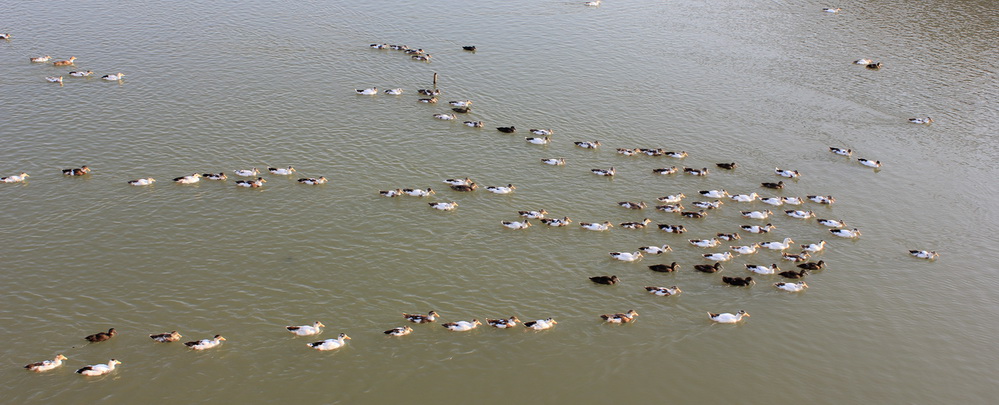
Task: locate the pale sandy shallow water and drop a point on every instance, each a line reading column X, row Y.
column 213, row 88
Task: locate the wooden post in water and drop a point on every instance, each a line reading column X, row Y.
column 435, row 80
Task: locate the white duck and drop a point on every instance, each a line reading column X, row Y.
column 656, row 250
column 445, row 117
column 757, row 214
column 758, row 229
column 718, row 257
column 786, row 243
column 676, row 155
column 814, row 247
column 419, row 192
column 394, row 92
column 54, row 79
column 745, row 250
column 793, row 174
column 556, row 222
column 516, row 224
column 205, row 344
column 705, row 243
column 831, row 10
column 474, row 124
column 604, row 172
column 540, row 324
column 727, row 317
column 822, row 199
column 745, row 197
column 672, row 198
column 312, row 181
column 800, row 214
column 306, row 330
column 793, row 200
column 593, row 3
column 282, row 171
column 400, row 331
column 459, row 182
column 539, row 141
column 41, row 59
column 542, row 132
column 194, row 178
column 444, row 206
column 587, row 144
column 594, row 226
column 46, row 365
column 664, row 291
column 708, row 204
column 82, row 73
column 142, row 182
column 870, row 163
column 772, row 269
column 367, row 92
column 539, row 214
column 926, row 120
column 924, row 254
column 775, row 201
column 466, row 103
column 714, row 193
column 462, row 326
column 554, row 161
column 99, row 369
column 832, row 223
column 17, row 178
column 330, row 344
column 247, row 173
column 502, row 189
column 791, row 287
column 626, row 257
column 841, row 151
column 846, row 233
column 112, row 78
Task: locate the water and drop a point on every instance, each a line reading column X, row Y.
column 212, row 88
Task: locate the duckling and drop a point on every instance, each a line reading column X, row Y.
column 772, row 269
column 620, row 318
column 554, row 161
column 709, row 268
column 665, row 268
column 678, row 229
column 739, row 281
column 664, row 291
column 609, row 280
column 556, row 222
column 400, row 331
column 924, row 254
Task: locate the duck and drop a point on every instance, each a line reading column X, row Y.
column 81, row 73
column 710, row 205
column 650, row 152
column 627, row 152
column 656, row 250
column 474, row 124
column 793, row 174
column 462, row 326
column 695, row 172
column 173, row 336
column 596, row 226
column 870, row 163
column 398, row 47
column 708, row 268
column 793, row 200
column 459, row 182
column 542, row 131
column 306, row 330
column 631, row 205
column 507, row 130
column 247, row 173
column 814, row 247
column 795, row 258
column 420, row 318
column 462, row 110
column 539, row 141
column 745, row 197
column 758, row 229
column 503, row 323
column 841, row 151
column 745, row 250
column 194, row 178
column 778, row 185
column 604, row 172
column 312, row 181
column 757, row 214
column 444, row 206
column 370, row 91
column 619, row 317
column 677, row 155
column 40, row 59
column 793, row 274
column 556, row 222
column 465, row 187
column 114, row 77
column 101, row 336
column 636, row 225
column 418, row 192
column 429, row 92
column 664, row 291
column 539, row 214
column 67, row 62
column 800, row 214
column 414, row 51
column 775, row 201
column 46, row 365
column 705, row 243
column 874, row 65
column 664, row 268
column 670, row 208
column 665, row 170
column 422, row 58
column 54, row 79
column 791, row 287
column 718, row 257
column 672, row 228
column 259, row 182
column 819, row 265
column 821, row 199
column 470, row 48
column 672, row 198
column 846, row 233
column 142, row 182
column 516, row 224
column 390, row 193
column 330, row 344
column 831, row 10
column 205, row 344
column 400, row 331
column 832, row 223
column 626, row 256
column 728, row 236
column 540, row 324
column 727, row 166
column 554, row 161
column 727, row 317
column 17, row 178
column 464, row 103
column 608, row 280
column 786, row 243
column 714, row 193
column 739, row 281
column 394, row 92
column 281, row 171
column 693, row 214
column 446, row 117
column 379, row 46
column 926, row 120
column 98, row 369
column 214, row 176
column 507, row 189
column 431, row 100
column 924, row 254
column 772, row 269
column 593, row 3
column 587, row 144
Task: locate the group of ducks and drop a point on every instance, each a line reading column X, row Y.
column 78, row 73
column 415, row 54
column 191, row 179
